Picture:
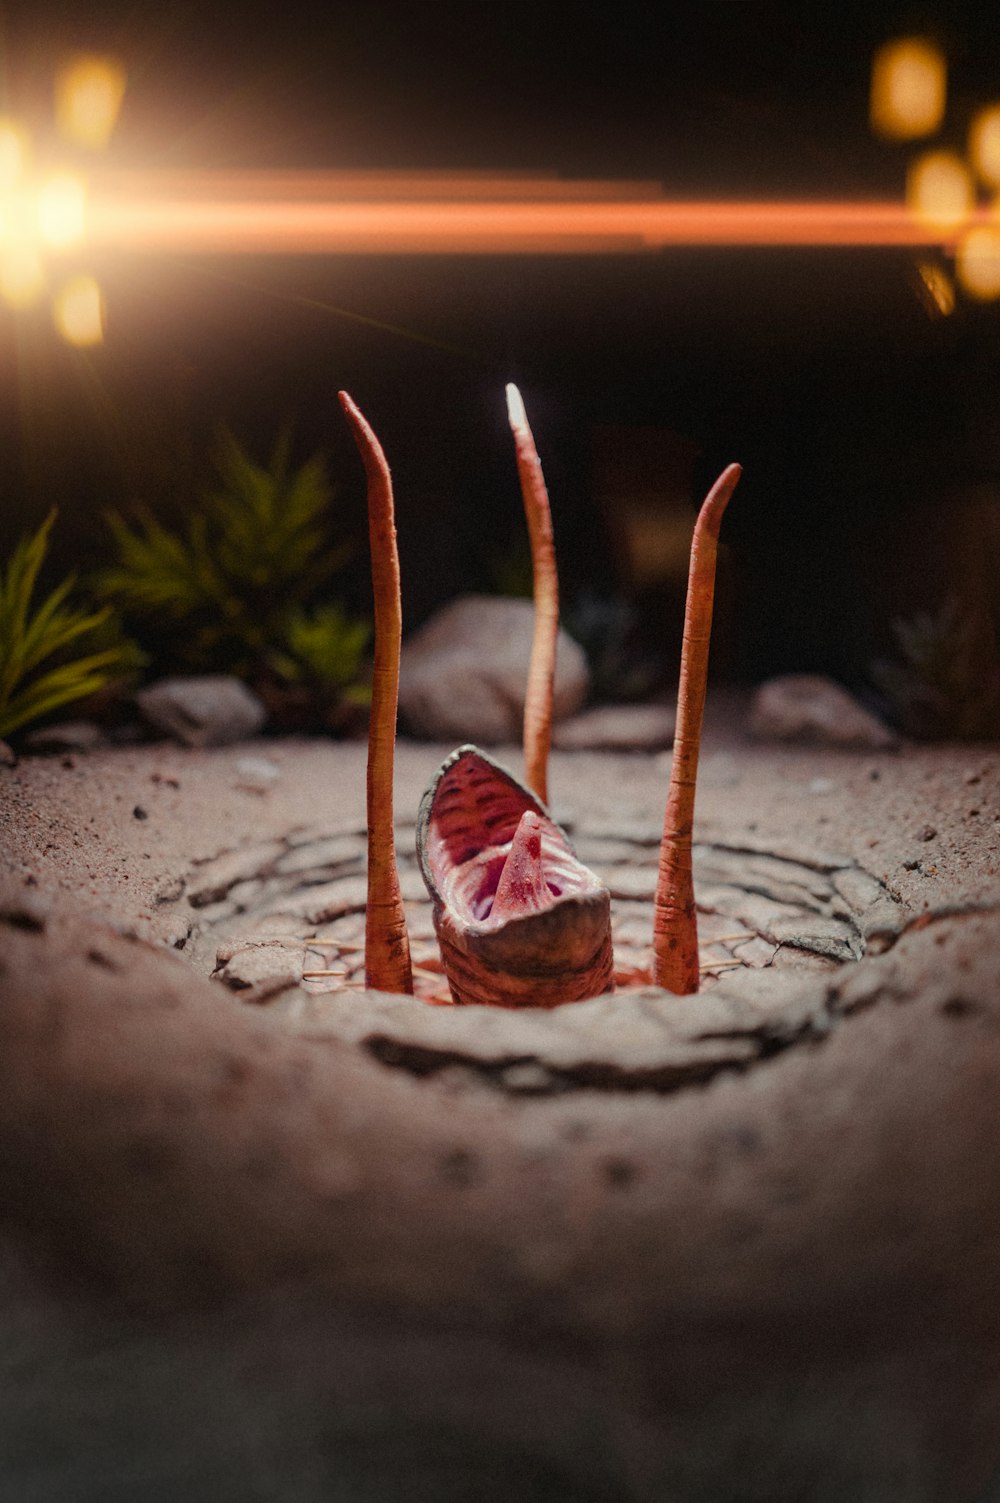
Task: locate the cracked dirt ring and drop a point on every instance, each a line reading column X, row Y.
column 282, row 923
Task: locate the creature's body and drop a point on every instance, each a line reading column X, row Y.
column 520, row 921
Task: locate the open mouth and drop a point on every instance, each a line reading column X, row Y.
column 488, row 848
column 511, row 900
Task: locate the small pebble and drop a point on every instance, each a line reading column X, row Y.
column 69, row 736
column 911, row 866
column 256, row 774
column 927, row 833
column 139, row 812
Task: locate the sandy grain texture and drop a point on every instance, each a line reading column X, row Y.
column 737, row 1247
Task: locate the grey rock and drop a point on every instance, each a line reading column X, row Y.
column 808, row 707
column 209, row 710
column 463, row 674
column 68, row 736
column 617, row 728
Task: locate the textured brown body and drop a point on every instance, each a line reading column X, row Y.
column 387, row 943
column 675, row 920
column 557, row 950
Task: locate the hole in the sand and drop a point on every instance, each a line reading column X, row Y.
column 295, row 907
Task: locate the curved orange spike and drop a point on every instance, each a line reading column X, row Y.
column 387, row 944
column 542, row 666
column 675, row 923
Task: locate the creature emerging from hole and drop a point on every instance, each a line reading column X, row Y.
column 520, row 921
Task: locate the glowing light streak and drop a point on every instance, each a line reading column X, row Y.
column 61, row 207
column 192, row 222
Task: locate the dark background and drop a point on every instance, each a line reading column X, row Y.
column 869, row 430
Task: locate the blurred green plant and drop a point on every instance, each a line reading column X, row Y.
column 946, row 684
column 326, row 646
column 38, row 674
column 316, row 678
column 234, row 589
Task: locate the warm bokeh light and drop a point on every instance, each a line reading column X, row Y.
column 22, row 274
column 13, row 154
column 78, row 310
column 937, row 288
column 977, row 262
column 89, row 92
column 908, row 89
column 939, row 191
column 984, row 144
column 19, row 218
column 62, row 210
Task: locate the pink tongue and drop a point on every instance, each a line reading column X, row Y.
column 522, row 887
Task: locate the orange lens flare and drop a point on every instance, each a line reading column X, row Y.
column 383, row 214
